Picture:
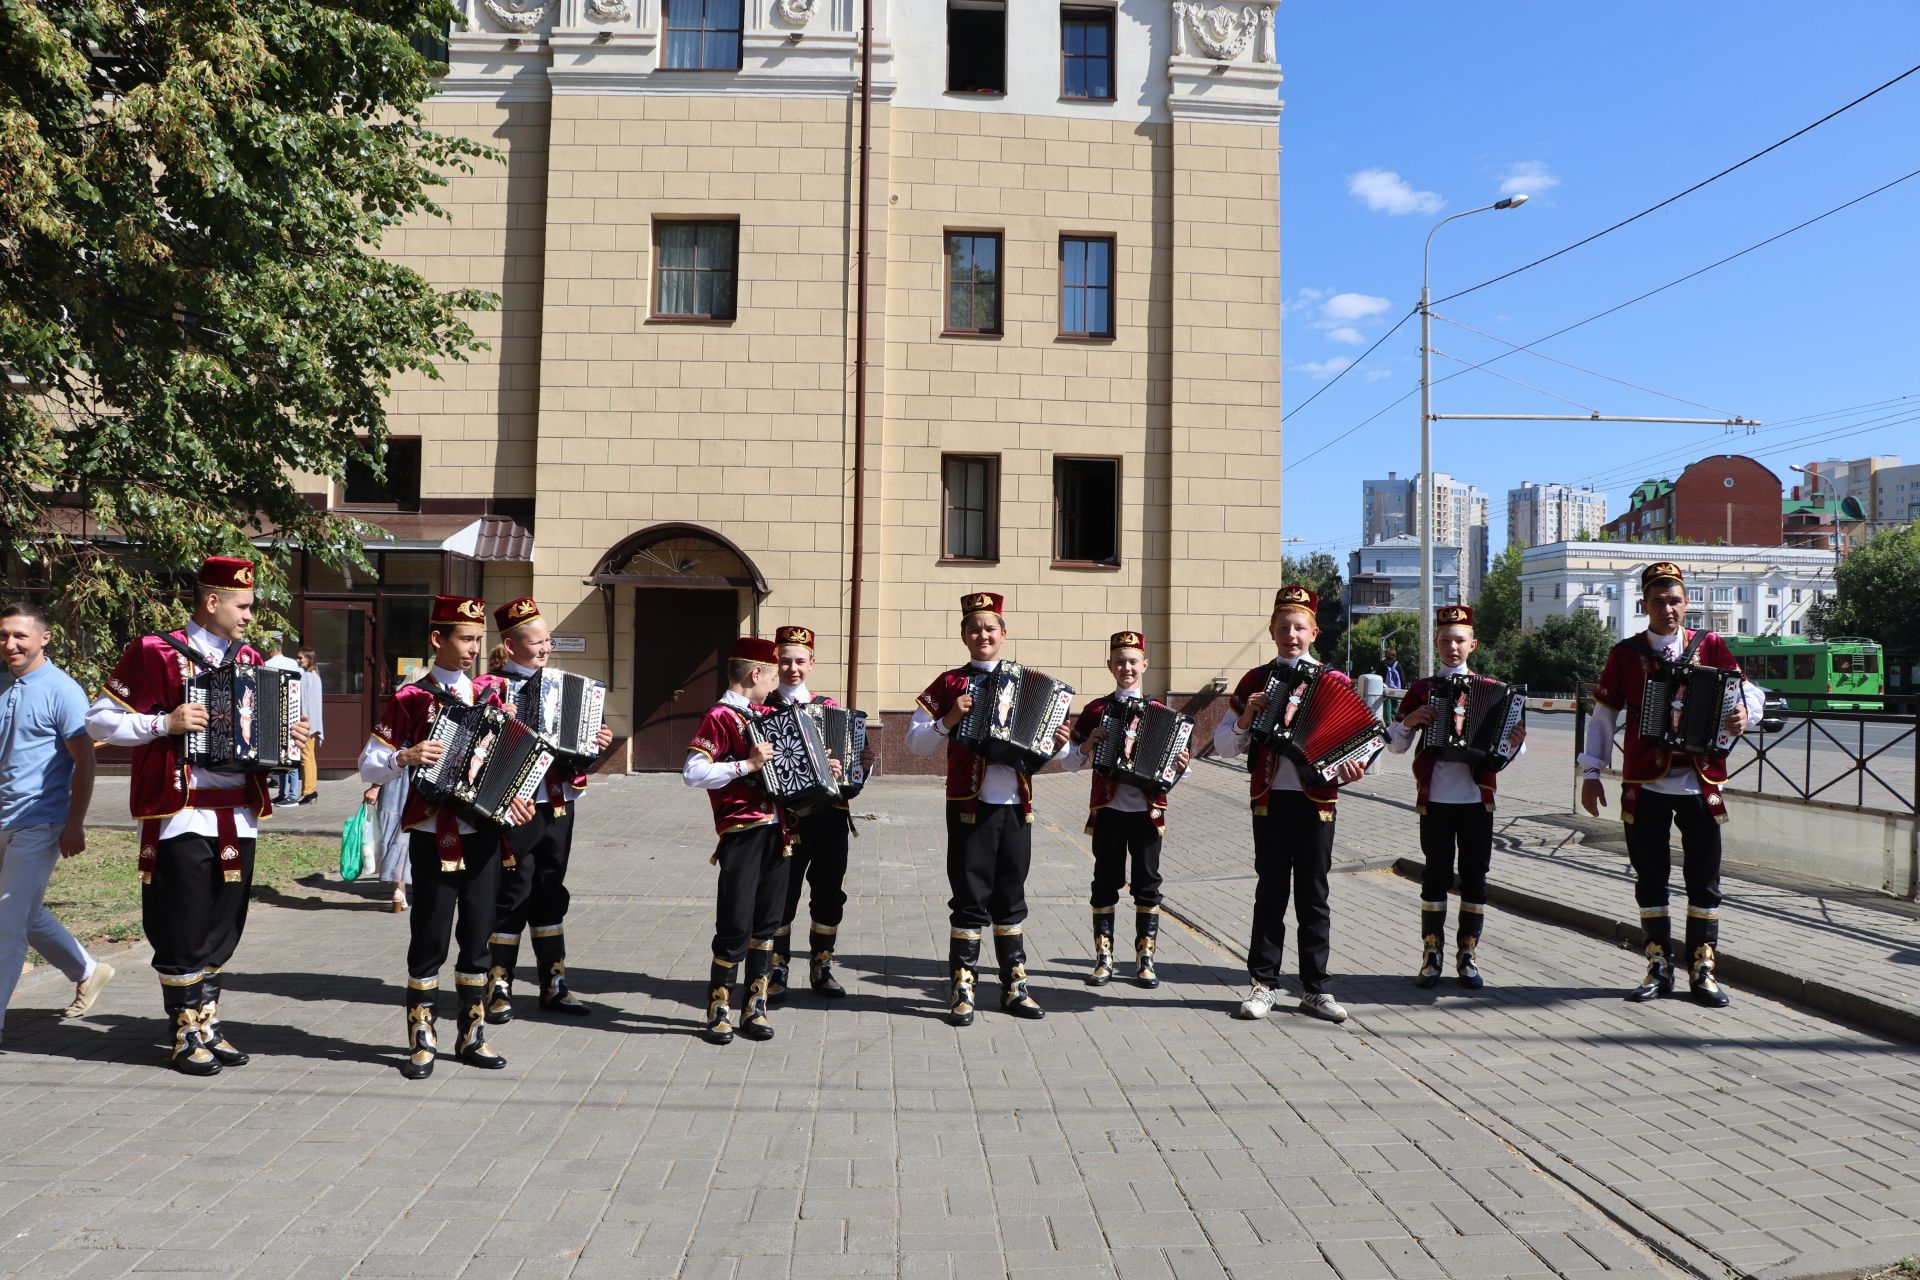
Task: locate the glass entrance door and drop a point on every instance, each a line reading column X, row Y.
column 340, row 633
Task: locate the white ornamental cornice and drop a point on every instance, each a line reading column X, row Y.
column 796, row 13
column 1223, row 32
column 609, row 11
column 1221, row 64
column 515, row 15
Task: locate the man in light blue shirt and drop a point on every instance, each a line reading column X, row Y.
column 46, row 783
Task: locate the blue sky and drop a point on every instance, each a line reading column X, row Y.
column 1399, row 114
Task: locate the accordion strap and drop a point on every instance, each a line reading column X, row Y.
column 186, row 651
column 1693, row 646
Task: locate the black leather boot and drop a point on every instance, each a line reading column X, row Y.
column 719, row 1010
column 963, row 959
column 820, row 942
column 1432, row 962
column 1102, row 972
column 1466, row 971
column 1659, row 979
column 1146, row 938
column 1015, row 998
column 782, row 966
column 423, row 1047
column 216, row 1040
column 1703, row 986
column 555, row 997
column 189, row 1055
column 505, row 949
column 753, row 1017
column 472, row 1047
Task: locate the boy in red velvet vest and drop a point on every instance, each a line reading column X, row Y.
column 197, row 826
column 1456, row 812
column 1661, row 788
column 1292, row 827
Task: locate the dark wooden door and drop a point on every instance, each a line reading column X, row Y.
column 340, row 633
column 681, row 638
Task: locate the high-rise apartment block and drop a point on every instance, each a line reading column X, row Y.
column 1541, row 513
column 1391, row 508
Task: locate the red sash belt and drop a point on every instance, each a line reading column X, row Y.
column 222, row 801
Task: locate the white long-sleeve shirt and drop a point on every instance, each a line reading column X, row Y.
column 1000, row 784
column 1076, row 756
column 377, row 759
column 1229, row 740
column 111, row 723
column 702, row 771
column 1682, row 779
column 1452, row 781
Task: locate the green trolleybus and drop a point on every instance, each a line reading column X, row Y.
column 1842, row 674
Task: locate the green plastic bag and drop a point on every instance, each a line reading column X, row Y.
column 352, row 838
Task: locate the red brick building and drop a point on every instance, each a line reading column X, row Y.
column 1726, row 499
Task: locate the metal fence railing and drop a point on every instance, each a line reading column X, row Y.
column 1820, row 755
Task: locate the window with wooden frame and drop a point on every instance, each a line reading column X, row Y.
column 397, row 490
column 977, row 46
column 701, row 35
column 695, row 270
column 970, row 493
column 1086, row 52
column 1086, row 286
column 1086, row 511
column 973, row 282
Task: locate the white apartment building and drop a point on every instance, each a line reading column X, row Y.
column 1732, row 590
column 1541, row 513
column 1397, row 561
column 1390, row 508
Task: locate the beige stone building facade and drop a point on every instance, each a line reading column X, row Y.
column 1073, row 301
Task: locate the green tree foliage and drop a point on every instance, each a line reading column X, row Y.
column 1878, row 592
column 1321, row 572
column 1400, row 628
column 191, row 202
column 1496, row 613
column 1560, row 654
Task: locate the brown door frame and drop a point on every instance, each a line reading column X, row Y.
column 341, row 746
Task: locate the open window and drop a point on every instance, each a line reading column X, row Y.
column 1086, row 511
column 398, row 491
column 977, row 46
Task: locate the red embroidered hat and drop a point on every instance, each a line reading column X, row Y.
column 1127, row 640
column 516, row 613
column 754, row 649
column 982, row 602
column 1294, row 596
column 1453, row 615
column 451, row 611
column 1658, row 570
column 794, row 635
column 226, row 573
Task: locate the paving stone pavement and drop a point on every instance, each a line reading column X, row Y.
column 1539, row 1128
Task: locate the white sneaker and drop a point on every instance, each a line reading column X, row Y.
column 1259, row 1002
column 85, row 993
column 1323, row 1006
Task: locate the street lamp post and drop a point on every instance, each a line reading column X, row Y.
column 1427, row 503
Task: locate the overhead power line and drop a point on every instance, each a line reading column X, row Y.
column 1350, row 367
column 1732, row 168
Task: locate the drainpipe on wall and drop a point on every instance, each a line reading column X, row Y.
column 860, row 361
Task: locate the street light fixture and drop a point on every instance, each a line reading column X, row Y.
column 1427, row 503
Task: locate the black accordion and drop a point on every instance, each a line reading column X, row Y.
column 1473, row 718
column 491, row 760
column 798, row 775
column 567, row 710
column 1016, row 713
column 1142, row 742
column 251, row 711
column 844, row 732
column 1319, row 722
column 1685, row 707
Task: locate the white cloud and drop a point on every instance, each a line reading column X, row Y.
column 1323, row 369
column 1377, row 375
column 1347, row 334
column 1527, row 178
column 1384, row 191
column 1305, row 300
column 1344, row 308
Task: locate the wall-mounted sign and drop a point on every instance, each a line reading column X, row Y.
column 569, row 644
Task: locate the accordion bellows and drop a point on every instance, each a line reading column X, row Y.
column 570, row 711
column 251, row 711
column 1318, row 722
column 1685, row 708
column 798, row 775
column 1473, row 718
column 1142, row 742
column 1016, row 713
column 491, row 760
column 844, row 732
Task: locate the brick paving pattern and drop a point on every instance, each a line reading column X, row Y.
column 1541, row 1127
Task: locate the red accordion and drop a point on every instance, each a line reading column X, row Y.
column 1320, row 722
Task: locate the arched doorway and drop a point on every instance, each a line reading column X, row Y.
column 691, row 588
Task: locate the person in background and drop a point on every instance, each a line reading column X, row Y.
column 46, row 783
column 289, row 781
column 1390, row 669
column 311, row 695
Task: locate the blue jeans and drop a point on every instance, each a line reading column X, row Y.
column 289, row 787
column 28, row 856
